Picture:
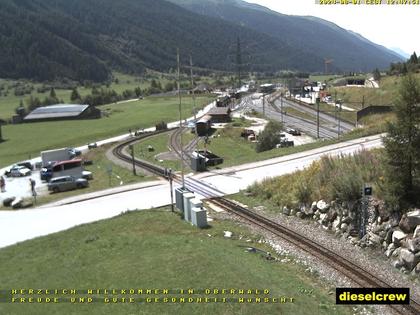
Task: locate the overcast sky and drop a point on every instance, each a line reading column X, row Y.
column 387, row 25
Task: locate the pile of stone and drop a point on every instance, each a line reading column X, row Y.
column 397, row 237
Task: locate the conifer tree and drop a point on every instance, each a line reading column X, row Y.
column 402, row 145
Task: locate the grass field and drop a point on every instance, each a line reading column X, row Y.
column 323, row 77
column 120, row 83
column 26, row 140
column 384, row 95
column 157, row 250
column 160, row 144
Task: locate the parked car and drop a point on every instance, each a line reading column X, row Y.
column 26, row 164
column 18, row 171
column 74, row 152
column 92, row 145
column 285, row 143
column 294, row 132
column 87, row 175
column 65, row 183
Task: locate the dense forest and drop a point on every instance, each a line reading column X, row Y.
column 85, row 40
column 323, row 39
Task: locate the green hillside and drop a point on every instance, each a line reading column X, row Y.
column 84, row 40
column 323, row 39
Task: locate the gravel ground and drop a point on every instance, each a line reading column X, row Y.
column 374, row 262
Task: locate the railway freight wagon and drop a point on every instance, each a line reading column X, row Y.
column 203, row 126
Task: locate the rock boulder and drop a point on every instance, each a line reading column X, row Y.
column 409, row 221
column 398, row 236
column 409, row 259
column 414, row 245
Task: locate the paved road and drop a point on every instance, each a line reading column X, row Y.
column 17, row 226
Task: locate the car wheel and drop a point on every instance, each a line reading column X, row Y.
column 79, row 186
column 56, row 190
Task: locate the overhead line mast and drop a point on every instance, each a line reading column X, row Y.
column 180, row 118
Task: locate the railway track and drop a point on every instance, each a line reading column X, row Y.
column 343, row 265
column 176, row 146
column 307, row 126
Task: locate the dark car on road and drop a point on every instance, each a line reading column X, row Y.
column 293, row 132
column 65, row 183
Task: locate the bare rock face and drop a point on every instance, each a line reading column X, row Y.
column 409, row 221
column 398, row 236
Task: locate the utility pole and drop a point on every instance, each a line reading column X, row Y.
column 317, row 117
column 281, row 107
column 171, row 188
column 339, row 119
column 193, row 97
column 239, row 61
column 263, row 104
column 180, row 119
column 133, row 159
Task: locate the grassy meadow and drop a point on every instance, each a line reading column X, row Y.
column 157, row 250
column 25, row 140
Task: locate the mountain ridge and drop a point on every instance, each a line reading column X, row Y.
column 87, row 40
column 325, row 39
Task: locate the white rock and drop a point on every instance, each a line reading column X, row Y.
column 322, row 205
column 414, row 217
column 417, row 232
column 398, row 236
column 410, row 260
column 228, row 234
